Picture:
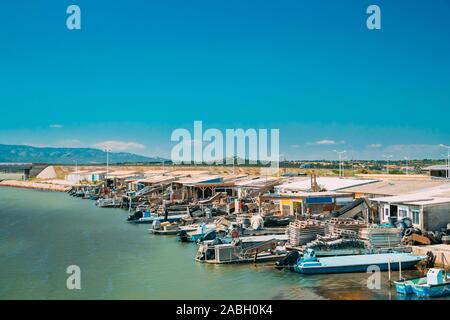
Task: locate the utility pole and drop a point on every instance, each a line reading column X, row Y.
column 387, row 158
column 353, row 166
column 107, row 150
column 340, row 161
column 76, row 170
column 406, row 165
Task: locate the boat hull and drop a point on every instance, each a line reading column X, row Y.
column 432, row 291
column 164, row 232
column 259, row 259
column 406, row 286
column 354, row 268
column 195, row 237
column 161, row 219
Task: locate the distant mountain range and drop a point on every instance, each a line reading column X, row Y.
column 55, row 155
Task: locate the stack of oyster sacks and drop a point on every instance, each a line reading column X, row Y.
column 302, row 232
column 343, row 227
column 381, row 237
column 333, row 242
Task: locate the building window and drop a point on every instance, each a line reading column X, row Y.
column 402, row 213
column 416, row 217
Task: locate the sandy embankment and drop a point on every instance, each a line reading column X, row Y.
column 36, row 185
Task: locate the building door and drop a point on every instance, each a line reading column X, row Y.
column 394, row 210
column 297, row 208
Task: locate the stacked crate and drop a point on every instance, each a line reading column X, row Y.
column 381, row 237
column 340, row 226
column 302, row 232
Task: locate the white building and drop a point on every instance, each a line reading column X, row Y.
column 429, row 210
column 86, row 175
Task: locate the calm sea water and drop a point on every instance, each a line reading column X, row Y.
column 42, row 233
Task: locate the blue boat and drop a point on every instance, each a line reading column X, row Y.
column 194, row 236
column 310, row 264
column 405, row 286
column 437, row 285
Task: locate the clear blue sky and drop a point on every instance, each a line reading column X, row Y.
column 139, row 69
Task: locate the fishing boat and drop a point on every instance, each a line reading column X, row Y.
column 198, row 233
column 164, row 228
column 310, row 264
column 405, row 286
column 436, row 284
column 148, row 217
column 78, row 193
column 109, row 203
column 241, row 250
column 91, row 195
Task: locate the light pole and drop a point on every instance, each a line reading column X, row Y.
column 387, row 158
column 406, row 165
column 340, row 160
column 448, row 159
column 107, row 150
column 76, row 170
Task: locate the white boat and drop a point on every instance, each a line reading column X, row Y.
column 164, row 228
column 310, row 264
column 109, row 203
column 148, row 217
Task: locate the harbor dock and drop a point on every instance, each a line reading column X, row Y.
column 308, row 224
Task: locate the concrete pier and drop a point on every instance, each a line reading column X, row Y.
column 441, row 251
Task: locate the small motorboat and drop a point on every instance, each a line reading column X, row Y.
column 164, row 228
column 310, row 264
column 405, row 286
column 437, row 284
column 241, row 250
column 78, row 194
column 109, row 203
column 197, row 234
column 148, row 217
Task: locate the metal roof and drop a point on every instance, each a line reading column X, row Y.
column 328, row 183
column 394, row 187
column 254, row 181
column 157, row 179
column 435, row 195
column 198, row 179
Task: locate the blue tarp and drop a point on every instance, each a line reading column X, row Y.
column 318, row 200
